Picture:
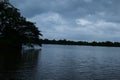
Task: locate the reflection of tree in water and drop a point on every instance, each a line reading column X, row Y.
column 19, row 67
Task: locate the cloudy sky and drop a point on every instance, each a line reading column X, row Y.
column 87, row 20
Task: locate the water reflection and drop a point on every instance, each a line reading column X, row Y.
column 15, row 65
column 57, row 62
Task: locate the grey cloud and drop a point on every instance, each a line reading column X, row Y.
column 68, row 8
column 57, row 19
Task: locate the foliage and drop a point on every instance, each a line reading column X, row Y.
column 15, row 28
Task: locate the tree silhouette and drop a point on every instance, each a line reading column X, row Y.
column 14, row 28
column 94, row 43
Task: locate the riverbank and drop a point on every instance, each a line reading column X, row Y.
column 81, row 43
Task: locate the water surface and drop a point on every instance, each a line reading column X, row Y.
column 59, row 62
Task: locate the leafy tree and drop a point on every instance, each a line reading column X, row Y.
column 14, row 28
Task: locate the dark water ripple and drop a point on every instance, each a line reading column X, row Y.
column 57, row 62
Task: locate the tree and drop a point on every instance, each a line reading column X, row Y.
column 14, row 28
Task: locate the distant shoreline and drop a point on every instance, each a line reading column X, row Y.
column 81, row 43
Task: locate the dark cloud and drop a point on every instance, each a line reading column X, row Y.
column 74, row 19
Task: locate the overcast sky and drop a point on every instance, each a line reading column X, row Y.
column 87, row 20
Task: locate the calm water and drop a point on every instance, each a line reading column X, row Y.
column 58, row 62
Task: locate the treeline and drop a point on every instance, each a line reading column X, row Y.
column 93, row 43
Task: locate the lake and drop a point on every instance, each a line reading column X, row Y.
column 63, row 62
